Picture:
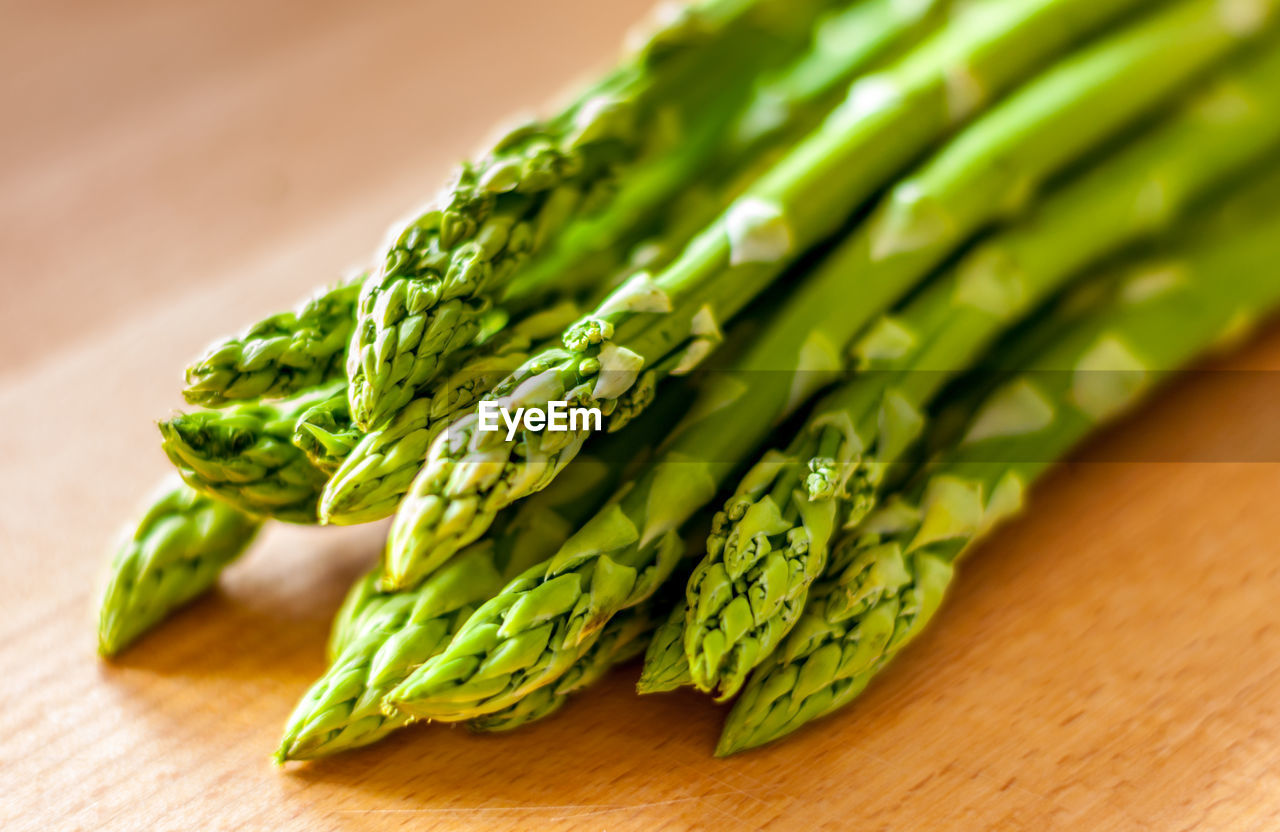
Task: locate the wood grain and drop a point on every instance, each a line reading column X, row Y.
column 170, row 170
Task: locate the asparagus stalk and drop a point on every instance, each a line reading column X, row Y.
column 290, row 352
column 451, row 262
column 772, row 540
column 280, row 355
column 245, row 456
column 887, row 582
column 179, row 547
column 378, row 472
column 379, row 638
column 888, row 119
column 543, row 622
column 622, row 640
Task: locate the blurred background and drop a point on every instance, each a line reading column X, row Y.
column 150, row 146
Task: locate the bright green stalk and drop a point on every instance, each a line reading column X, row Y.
column 379, row 638
column 772, row 541
column 280, row 355
column 886, row 584
column 622, row 640
column 245, row 456
column 451, row 262
column 665, row 665
column 888, row 119
column 176, row 552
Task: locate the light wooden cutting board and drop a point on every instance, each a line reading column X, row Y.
column 169, row 171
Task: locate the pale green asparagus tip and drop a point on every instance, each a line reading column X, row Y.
column 179, row 547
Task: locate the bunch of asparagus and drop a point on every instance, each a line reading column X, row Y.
column 856, row 272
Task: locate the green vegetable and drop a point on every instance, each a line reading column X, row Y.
column 675, row 316
column 280, row 355
column 772, row 542
column 245, row 456
column 176, row 552
column 886, row 583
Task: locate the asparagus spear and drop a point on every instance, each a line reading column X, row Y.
column 280, row 355
column 245, row 456
column 623, row 639
column 378, row 638
column 772, row 542
column 886, row 583
column 888, row 119
column 451, row 262
column 176, row 552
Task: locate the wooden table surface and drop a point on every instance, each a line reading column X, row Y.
column 169, row 171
